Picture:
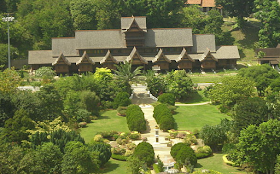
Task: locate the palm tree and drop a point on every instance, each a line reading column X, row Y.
column 124, row 72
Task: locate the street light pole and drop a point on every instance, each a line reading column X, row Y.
column 8, row 19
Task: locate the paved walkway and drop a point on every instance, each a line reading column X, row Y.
column 142, row 97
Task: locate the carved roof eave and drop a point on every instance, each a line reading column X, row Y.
column 108, row 55
column 85, row 56
column 159, row 55
column 184, row 54
column 133, row 53
column 61, row 56
column 206, row 54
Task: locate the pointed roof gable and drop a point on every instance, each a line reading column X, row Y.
column 133, row 22
column 184, row 56
column 61, row 57
column 134, row 53
column 108, row 57
column 84, row 59
column 207, row 54
column 160, row 56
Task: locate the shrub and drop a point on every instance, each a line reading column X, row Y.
column 83, row 116
column 163, row 117
column 122, row 99
column 103, row 150
column 183, row 153
column 201, row 155
column 145, row 152
column 135, row 118
column 190, row 139
column 119, row 157
column 135, row 136
column 98, row 138
column 167, row 98
column 82, row 124
column 205, row 149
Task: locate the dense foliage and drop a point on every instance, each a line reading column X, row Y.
column 262, row 75
column 121, row 99
column 252, row 111
column 230, row 91
column 167, row 98
column 135, row 118
column 176, row 82
column 259, row 146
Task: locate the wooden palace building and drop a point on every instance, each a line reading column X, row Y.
column 161, row 48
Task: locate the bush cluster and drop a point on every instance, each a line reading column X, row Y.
column 167, row 98
column 145, row 152
column 122, row 99
column 135, row 118
column 163, row 117
column 203, row 152
column 183, row 153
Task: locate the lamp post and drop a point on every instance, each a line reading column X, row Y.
column 8, row 19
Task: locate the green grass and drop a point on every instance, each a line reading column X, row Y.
column 109, row 120
column 195, row 117
column 115, row 167
column 211, row 77
column 198, row 97
column 216, row 163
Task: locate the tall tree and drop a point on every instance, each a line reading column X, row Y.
column 252, row 111
column 262, row 75
column 259, row 146
column 268, row 12
column 237, row 8
column 126, row 73
column 230, row 91
column 83, row 14
column 45, row 20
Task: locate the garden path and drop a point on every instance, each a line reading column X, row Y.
column 142, row 98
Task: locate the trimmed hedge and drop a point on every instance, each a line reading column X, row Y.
column 135, row 118
column 119, row 157
column 163, row 117
column 167, row 98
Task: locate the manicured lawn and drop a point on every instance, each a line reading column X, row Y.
column 197, row 98
column 115, row 167
column 210, row 77
column 108, row 121
column 195, row 117
column 216, row 163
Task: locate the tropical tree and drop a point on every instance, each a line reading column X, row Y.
column 213, row 136
column 9, row 80
column 78, row 159
column 259, row 146
column 126, row 73
column 262, row 75
column 237, row 8
column 268, row 12
column 230, row 91
column 252, row 111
